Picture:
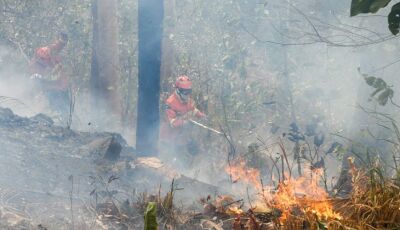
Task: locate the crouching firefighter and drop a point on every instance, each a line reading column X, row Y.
column 176, row 143
column 48, row 77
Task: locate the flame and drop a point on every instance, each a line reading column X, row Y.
column 234, row 211
column 293, row 196
column 239, row 171
column 305, row 194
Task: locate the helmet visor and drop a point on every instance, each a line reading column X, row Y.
column 184, row 91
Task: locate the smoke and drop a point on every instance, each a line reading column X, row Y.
column 325, row 85
column 20, row 93
column 316, row 84
column 16, row 87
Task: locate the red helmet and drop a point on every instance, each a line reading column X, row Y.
column 183, row 82
column 43, row 53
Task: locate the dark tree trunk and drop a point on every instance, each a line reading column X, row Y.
column 150, row 36
column 105, row 61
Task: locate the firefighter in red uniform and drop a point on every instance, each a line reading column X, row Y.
column 48, row 76
column 179, row 109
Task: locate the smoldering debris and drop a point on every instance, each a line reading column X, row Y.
column 59, row 177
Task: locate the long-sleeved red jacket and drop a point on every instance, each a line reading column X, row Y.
column 177, row 114
column 46, row 63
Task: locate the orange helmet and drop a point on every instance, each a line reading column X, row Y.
column 43, row 53
column 183, row 82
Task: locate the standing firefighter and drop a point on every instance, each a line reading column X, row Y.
column 179, row 109
column 48, row 76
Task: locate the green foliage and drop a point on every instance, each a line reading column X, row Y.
column 372, row 6
column 382, row 90
column 367, row 6
column 385, row 96
column 394, row 19
column 150, row 217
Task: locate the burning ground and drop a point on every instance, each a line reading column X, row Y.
column 56, row 178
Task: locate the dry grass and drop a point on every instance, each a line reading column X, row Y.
column 374, row 203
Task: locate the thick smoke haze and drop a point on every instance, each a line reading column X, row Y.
column 259, row 69
column 324, row 78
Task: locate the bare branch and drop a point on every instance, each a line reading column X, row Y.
column 317, row 37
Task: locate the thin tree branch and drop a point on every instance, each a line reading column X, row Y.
column 319, row 37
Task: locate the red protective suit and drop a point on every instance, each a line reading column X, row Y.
column 177, row 114
column 46, row 63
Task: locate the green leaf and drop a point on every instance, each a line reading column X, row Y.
column 384, row 96
column 394, row 19
column 370, row 80
column 379, row 83
column 150, row 217
column 367, row 6
column 376, row 91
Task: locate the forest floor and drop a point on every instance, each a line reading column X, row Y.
column 56, row 178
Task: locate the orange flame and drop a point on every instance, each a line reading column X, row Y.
column 293, row 195
column 239, row 171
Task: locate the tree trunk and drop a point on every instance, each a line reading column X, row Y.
column 150, row 36
column 105, row 61
column 168, row 49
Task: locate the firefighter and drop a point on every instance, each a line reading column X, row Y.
column 48, row 76
column 179, row 109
